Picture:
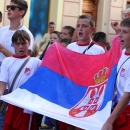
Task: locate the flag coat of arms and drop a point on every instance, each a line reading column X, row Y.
column 71, row 87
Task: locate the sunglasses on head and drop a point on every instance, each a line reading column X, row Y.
column 13, row 7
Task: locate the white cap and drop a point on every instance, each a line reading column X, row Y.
column 126, row 11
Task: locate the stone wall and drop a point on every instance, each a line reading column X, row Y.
column 116, row 8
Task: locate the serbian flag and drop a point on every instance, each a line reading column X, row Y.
column 71, row 87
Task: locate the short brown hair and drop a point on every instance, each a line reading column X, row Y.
column 70, row 29
column 67, row 41
column 57, row 33
column 21, row 35
column 22, row 4
column 125, row 22
column 92, row 22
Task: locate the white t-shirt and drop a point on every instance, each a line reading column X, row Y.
column 6, row 40
column 11, row 65
column 93, row 50
column 123, row 77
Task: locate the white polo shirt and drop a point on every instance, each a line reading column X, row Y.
column 93, row 50
column 11, row 65
column 123, row 77
column 6, row 40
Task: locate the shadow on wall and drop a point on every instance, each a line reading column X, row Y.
column 38, row 22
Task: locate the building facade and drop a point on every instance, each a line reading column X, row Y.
column 66, row 12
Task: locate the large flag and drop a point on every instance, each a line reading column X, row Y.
column 71, row 87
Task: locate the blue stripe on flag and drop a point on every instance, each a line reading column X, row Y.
column 63, row 91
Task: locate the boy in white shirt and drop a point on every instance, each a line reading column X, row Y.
column 84, row 29
column 120, row 117
column 15, row 12
column 18, row 118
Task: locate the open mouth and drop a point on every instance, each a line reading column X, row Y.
column 21, row 51
column 80, row 34
column 122, row 41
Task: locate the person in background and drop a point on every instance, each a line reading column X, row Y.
column 65, row 41
column 0, row 16
column 46, row 37
column 101, row 39
column 54, row 37
column 67, row 32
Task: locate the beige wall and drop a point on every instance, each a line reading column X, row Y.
column 65, row 12
column 56, row 8
column 103, row 15
column 2, row 10
column 71, row 11
column 116, row 7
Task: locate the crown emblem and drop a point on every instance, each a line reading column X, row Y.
column 101, row 75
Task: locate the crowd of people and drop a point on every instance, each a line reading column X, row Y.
column 18, row 63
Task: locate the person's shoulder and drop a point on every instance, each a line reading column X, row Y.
column 97, row 49
column 97, row 46
column 4, row 28
column 35, row 59
column 123, row 53
column 26, row 29
column 7, row 60
column 71, row 45
column 47, row 34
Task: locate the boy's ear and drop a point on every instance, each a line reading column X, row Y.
column 22, row 12
column 93, row 30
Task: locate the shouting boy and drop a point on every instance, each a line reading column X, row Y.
column 120, row 117
column 84, row 29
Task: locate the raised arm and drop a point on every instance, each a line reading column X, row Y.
column 116, row 27
column 5, row 51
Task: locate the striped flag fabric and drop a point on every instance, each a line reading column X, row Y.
column 71, row 87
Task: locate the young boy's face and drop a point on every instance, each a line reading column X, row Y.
column 124, row 36
column 54, row 38
column 84, row 30
column 65, row 33
column 21, row 47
